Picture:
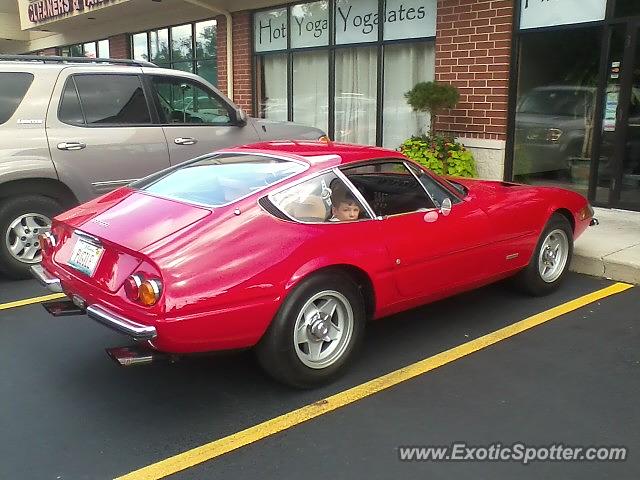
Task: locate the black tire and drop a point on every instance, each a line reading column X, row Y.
column 278, row 353
column 530, row 280
column 10, row 210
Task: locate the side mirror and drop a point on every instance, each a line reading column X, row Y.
column 241, row 117
column 445, row 208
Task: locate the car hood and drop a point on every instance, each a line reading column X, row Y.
column 274, row 130
column 524, row 120
column 140, row 219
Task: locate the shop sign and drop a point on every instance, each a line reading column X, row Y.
column 310, row 25
column 547, row 13
column 270, row 30
column 356, row 21
column 410, row 19
column 38, row 12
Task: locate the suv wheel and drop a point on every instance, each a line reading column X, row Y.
column 22, row 219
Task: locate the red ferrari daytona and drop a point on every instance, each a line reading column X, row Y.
column 291, row 247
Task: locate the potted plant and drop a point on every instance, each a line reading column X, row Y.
column 440, row 153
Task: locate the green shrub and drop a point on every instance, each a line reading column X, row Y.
column 440, row 154
column 432, row 97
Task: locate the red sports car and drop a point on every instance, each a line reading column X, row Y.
column 291, row 247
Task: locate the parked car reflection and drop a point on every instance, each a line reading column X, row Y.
column 554, row 134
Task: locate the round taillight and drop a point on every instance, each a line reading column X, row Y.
column 150, row 292
column 132, row 287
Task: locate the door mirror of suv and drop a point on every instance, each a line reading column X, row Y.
column 241, row 117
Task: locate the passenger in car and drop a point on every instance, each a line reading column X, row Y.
column 344, row 207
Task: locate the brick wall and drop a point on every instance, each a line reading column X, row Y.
column 473, row 46
column 242, row 81
column 48, row 51
column 119, row 46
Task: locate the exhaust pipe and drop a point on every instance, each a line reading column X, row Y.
column 137, row 355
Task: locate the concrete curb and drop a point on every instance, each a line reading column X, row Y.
column 611, row 249
column 620, row 271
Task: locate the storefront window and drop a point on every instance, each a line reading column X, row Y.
column 626, row 8
column 175, row 48
column 181, row 47
column 272, row 87
column 159, row 48
column 295, row 58
column 355, row 101
column 311, row 88
column 99, row 49
column 555, row 107
column 405, row 65
column 206, row 57
column 140, row 46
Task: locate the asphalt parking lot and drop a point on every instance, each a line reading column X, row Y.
column 68, row 412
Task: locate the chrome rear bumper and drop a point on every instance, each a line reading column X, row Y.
column 46, row 279
column 102, row 315
column 135, row 330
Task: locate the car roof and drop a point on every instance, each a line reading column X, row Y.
column 320, row 153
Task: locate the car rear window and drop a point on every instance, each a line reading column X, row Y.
column 220, row 179
column 14, row 88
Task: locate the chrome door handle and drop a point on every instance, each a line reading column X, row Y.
column 71, row 145
column 185, row 141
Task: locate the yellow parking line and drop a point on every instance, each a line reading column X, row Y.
column 237, row 440
column 29, row 301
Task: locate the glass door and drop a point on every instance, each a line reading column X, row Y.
column 626, row 191
column 618, row 167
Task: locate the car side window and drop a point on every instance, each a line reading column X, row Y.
column 436, row 191
column 70, row 111
column 105, row 100
column 389, row 188
column 14, row 88
column 324, row 198
column 183, row 102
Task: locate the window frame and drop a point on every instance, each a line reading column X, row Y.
column 155, row 100
column 61, row 49
column 338, row 173
column 72, row 76
column 338, row 170
column 31, row 77
column 195, row 59
column 330, row 48
column 399, row 161
column 455, row 199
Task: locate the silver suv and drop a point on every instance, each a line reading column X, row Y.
column 74, row 128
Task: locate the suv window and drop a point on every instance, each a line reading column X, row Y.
column 14, row 88
column 389, row 188
column 105, row 100
column 181, row 101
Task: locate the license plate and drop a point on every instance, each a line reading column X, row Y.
column 85, row 256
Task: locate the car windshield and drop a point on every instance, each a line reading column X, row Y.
column 565, row 103
column 220, row 179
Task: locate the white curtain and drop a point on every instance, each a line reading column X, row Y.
column 356, row 79
column 274, row 97
column 311, row 89
column 404, row 66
